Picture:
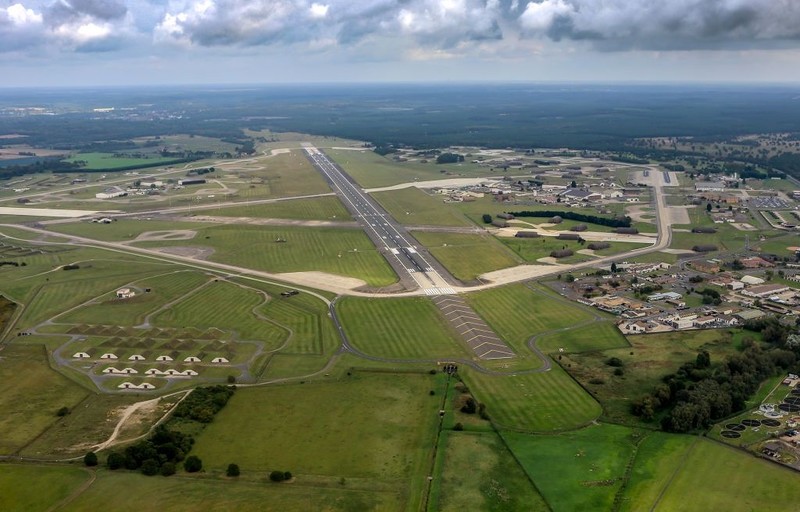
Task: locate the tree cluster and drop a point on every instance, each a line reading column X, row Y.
column 613, row 222
column 204, row 402
column 449, row 158
column 155, row 455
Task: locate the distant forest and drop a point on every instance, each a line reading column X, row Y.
column 599, row 117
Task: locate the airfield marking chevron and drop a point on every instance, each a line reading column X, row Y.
column 478, row 336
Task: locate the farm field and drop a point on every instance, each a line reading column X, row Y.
column 374, row 429
column 578, row 470
column 412, row 206
column 516, row 313
column 134, row 492
column 29, row 488
column 466, row 256
column 480, row 474
column 30, row 405
column 645, row 362
column 408, row 328
column 537, row 402
column 346, row 252
column 594, row 336
column 318, row 208
column 729, row 480
column 370, row 169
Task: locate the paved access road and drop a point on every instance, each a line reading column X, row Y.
column 397, row 245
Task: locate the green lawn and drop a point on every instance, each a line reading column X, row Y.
column 412, row 206
column 516, row 313
column 578, row 470
column 539, row 402
column 32, row 395
column 34, row 488
column 479, row 473
column 594, row 336
column 318, row 208
column 122, row 229
column 345, row 252
column 375, row 429
column 467, row 256
column 399, row 328
column 716, row 477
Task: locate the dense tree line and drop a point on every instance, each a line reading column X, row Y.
column 54, row 164
column 449, row 158
column 204, row 402
column 157, row 454
column 614, row 222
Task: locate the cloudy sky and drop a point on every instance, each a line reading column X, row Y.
column 118, row 42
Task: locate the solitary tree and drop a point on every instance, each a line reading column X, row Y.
column 192, row 464
column 613, row 267
column 233, row 470
column 90, row 459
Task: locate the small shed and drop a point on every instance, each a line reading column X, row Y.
column 163, row 358
column 108, row 355
column 80, row 355
column 125, row 293
column 219, row 360
column 136, row 357
column 192, row 359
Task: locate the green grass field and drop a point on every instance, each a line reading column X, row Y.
column 346, row 252
column 375, row 429
column 399, row 328
column 123, row 229
column 479, row 473
column 533, row 249
column 578, row 470
column 32, row 395
column 318, row 208
column 109, row 161
column 34, row 488
column 539, row 402
column 516, row 313
column 467, row 256
column 282, row 175
column 716, row 477
column 412, row 206
column 646, row 361
column 594, row 336
column 132, row 492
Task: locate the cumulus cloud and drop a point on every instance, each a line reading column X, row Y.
column 435, row 27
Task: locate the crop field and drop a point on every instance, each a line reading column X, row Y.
column 533, row 249
column 28, row 488
column 30, row 404
column 645, row 362
column 412, row 206
column 374, row 429
column 467, row 256
column 224, row 306
column 480, row 474
column 109, row 161
column 163, row 289
column 716, row 477
column 578, row 470
column 516, row 313
column 408, row 328
column 594, row 336
column 658, row 457
column 133, row 492
column 346, row 252
column 318, row 208
column 370, row 169
column 538, row 402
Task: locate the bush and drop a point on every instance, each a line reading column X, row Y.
column 90, row 459
column 619, row 372
column 62, row 412
column 287, row 475
column 231, row 379
column 150, row 467
column 115, row 460
column 168, row 469
column 277, row 476
column 597, row 381
column 233, row 470
column 458, row 427
column 192, row 464
column 614, row 361
column 487, row 218
column 470, row 406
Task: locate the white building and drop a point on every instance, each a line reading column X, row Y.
column 709, row 186
column 125, row 293
column 163, row 358
column 80, row 355
column 111, row 193
column 136, row 357
column 108, row 355
column 219, row 360
column 192, row 359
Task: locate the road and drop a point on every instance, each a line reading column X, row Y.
column 400, row 249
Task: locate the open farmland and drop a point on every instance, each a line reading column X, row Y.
column 412, row 206
column 30, row 405
column 30, row 488
column 467, row 256
column 346, row 252
column 534, row 402
column 374, row 429
column 407, row 328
